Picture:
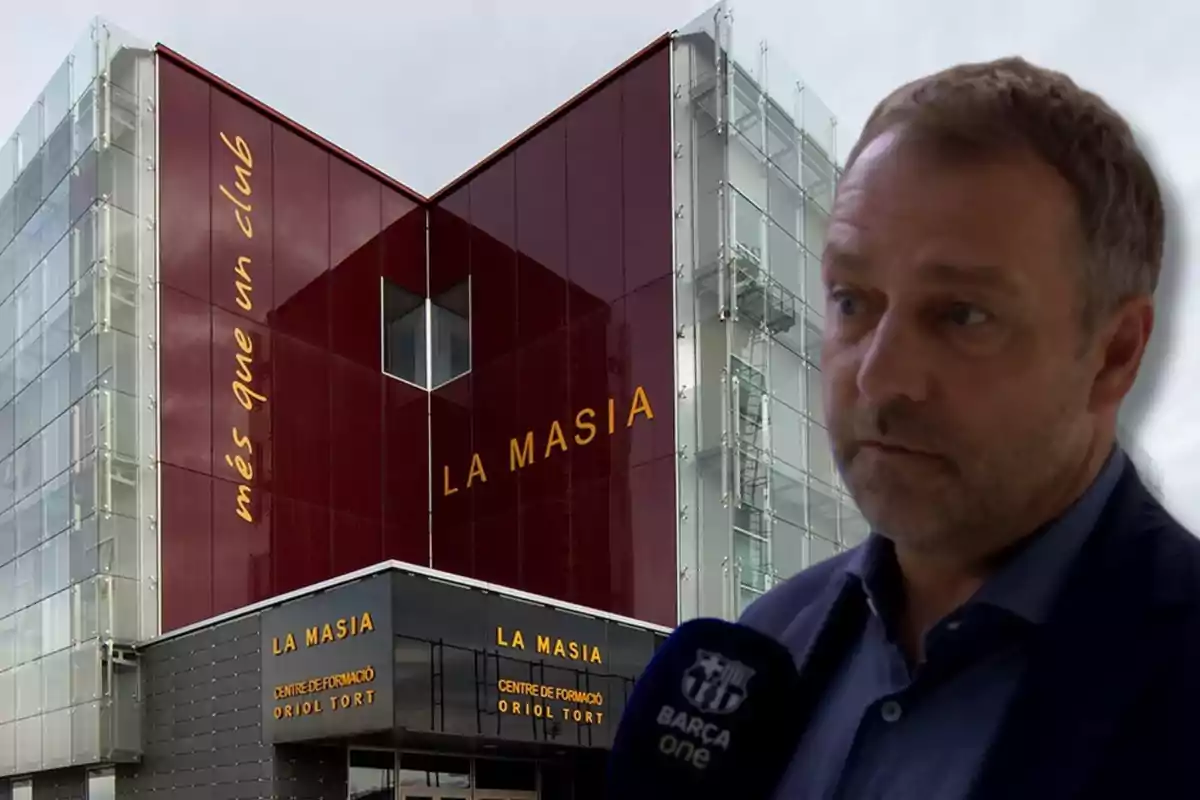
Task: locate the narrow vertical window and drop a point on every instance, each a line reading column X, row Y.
column 404, row 345
column 450, row 334
column 427, row 342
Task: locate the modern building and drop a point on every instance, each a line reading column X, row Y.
column 312, row 486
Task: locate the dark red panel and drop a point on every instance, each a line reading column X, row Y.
column 449, row 242
column 590, row 568
column 646, row 193
column 300, row 420
column 357, row 542
column 241, row 550
column 594, row 213
column 405, row 473
column 301, row 549
column 242, row 272
column 494, row 423
column 543, row 409
column 184, row 188
column 541, row 202
column 355, row 209
column 185, row 372
column 242, row 396
column 187, row 552
column 355, row 224
column 651, row 566
column 356, row 469
column 546, row 549
column 649, row 321
column 497, row 553
column 301, row 174
column 450, row 457
column 593, row 359
column 621, row 552
column 494, row 310
column 403, row 242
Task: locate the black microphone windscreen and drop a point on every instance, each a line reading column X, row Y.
column 713, row 715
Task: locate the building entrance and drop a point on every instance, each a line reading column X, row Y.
column 464, row 794
column 388, row 775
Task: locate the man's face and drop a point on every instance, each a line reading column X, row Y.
column 955, row 379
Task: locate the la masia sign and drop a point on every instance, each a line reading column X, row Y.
column 399, row 652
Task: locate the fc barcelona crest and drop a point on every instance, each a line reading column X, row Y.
column 716, row 684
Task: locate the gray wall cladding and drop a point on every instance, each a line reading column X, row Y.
column 202, row 726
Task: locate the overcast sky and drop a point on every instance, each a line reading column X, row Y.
column 423, row 90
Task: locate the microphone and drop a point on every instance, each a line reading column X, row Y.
column 713, row 715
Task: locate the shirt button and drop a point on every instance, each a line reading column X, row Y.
column 891, row 711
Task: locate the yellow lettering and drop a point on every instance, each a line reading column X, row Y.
column 476, row 471
column 242, row 466
column 244, row 286
column 240, row 149
column 243, row 179
column 242, row 442
column 556, row 438
column 446, row 490
column 246, row 396
column 243, row 503
column 243, row 367
column 244, row 223
column 240, row 205
column 242, row 269
column 582, row 424
column 520, row 455
column 640, row 405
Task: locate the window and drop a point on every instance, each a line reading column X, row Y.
column 427, row 342
column 404, row 335
column 22, row 789
column 372, row 775
column 102, row 784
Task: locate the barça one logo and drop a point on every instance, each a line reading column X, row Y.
column 716, row 684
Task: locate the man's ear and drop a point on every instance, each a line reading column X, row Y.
column 1120, row 344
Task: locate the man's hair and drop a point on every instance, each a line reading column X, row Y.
column 1010, row 104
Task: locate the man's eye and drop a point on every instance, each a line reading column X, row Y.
column 966, row 315
column 846, row 303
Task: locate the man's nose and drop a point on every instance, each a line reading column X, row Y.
column 894, row 362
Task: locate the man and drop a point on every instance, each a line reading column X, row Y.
column 1024, row 621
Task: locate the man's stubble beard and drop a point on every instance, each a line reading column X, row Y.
column 982, row 497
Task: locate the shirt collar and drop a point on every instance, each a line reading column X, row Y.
column 1029, row 581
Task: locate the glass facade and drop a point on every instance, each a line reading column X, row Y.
column 759, row 498
column 78, row 492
